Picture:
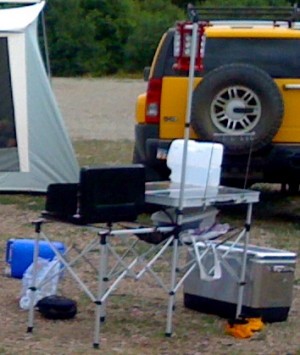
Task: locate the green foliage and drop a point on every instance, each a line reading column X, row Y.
column 155, row 17
column 88, row 36
column 71, row 38
column 100, row 37
column 113, row 22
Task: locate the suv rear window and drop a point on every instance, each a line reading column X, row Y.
column 278, row 57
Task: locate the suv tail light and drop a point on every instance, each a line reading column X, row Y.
column 153, row 100
column 183, row 44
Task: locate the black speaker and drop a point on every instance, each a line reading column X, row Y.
column 111, row 193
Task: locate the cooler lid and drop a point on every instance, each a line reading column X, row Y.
column 269, row 253
column 258, row 252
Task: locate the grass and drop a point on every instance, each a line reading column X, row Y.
column 24, row 201
column 103, row 152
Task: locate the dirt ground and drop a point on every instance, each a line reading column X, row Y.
column 136, row 317
column 98, row 108
column 104, row 109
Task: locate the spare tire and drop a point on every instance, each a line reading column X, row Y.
column 238, row 105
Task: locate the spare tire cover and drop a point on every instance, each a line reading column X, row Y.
column 238, row 105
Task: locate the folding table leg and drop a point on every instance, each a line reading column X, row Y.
column 33, row 288
column 172, row 291
column 104, row 278
column 102, row 281
column 242, row 282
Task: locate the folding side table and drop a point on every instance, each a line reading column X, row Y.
column 168, row 194
column 135, row 262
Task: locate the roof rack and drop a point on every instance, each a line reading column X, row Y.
column 269, row 13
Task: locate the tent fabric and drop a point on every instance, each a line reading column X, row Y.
column 42, row 153
column 18, row 19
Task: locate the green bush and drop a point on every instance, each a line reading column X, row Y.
column 155, row 17
column 98, row 37
column 101, row 37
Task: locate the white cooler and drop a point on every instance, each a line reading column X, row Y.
column 268, row 289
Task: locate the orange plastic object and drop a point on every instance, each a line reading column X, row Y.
column 256, row 324
column 239, row 330
column 243, row 328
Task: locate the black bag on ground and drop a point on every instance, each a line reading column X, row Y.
column 57, row 307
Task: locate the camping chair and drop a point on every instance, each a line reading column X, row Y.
column 106, row 195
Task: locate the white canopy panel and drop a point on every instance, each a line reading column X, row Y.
column 17, row 19
column 35, row 148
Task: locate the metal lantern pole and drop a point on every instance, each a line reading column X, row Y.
column 172, row 291
column 188, row 114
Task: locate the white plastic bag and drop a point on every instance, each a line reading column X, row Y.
column 47, row 276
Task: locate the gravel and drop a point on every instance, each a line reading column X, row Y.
column 101, row 109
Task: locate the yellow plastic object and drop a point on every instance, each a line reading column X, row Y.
column 256, row 324
column 239, row 329
column 243, row 328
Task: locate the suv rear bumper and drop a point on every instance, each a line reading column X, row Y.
column 278, row 163
column 147, row 145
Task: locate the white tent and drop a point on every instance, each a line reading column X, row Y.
column 35, row 149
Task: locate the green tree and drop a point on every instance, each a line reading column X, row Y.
column 70, row 38
column 153, row 18
column 98, row 37
column 113, row 22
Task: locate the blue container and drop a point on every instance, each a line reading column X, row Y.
column 19, row 254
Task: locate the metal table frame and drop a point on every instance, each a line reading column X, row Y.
column 164, row 194
column 169, row 194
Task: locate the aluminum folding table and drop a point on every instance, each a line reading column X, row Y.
column 169, row 194
column 136, row 262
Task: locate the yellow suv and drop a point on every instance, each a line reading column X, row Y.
column 246, row 95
